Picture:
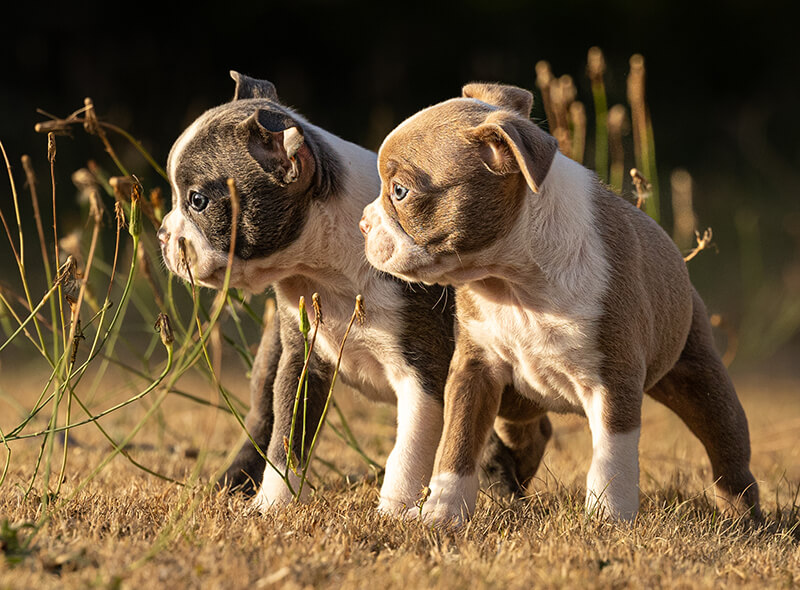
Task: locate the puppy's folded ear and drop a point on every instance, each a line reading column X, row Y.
column 273, row 139
column 247, row 87
column 509, row 144
column 511, row 98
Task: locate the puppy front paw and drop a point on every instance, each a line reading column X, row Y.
column 451, row 501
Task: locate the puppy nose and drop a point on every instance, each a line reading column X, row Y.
column 364, row 225
column 163, row 236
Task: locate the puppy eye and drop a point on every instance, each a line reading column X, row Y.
column 399, row 192
column 197, row 201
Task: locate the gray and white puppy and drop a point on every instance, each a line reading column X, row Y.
column 563, row 290
column 302, row 191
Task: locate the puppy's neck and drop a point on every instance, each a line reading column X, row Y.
column 553, row 249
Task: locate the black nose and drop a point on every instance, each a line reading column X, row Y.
column 163, row 236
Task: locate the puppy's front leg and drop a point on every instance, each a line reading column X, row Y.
column 247, row 469
column 612, row 484
column 471, row 401
column 409, row 466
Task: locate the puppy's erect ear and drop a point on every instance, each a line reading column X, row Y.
column 511, row 98
column 274, row 139
column 509, row 144
column 247, row 87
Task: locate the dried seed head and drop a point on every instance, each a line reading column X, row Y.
column 596, row 65
column 423, row 497
column 568, row 90
column 164, row 327
column 544, row 76
column 66, row 270
column 96, row 206
column 51, row 147
column 119, row 213
column 642, row 187
column 291, row 458
column 577, row 115
column 185, row 256
column 361, row 312
column 90, row 123
column 639, row 181
column 69, row 279
column 616, row 118
column 317, row 307
column 636, row 82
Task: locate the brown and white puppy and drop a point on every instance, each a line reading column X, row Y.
column 302, row 191
column 563, row 290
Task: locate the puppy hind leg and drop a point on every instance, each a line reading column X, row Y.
column 515, row 447
column 699, row 390
column 612, row 484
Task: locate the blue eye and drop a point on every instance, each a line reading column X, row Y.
column 197, row 201
column 399, row 192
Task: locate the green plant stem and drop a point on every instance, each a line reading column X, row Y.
column 95, row 417
column 8, row 458
column 324, row 415
column 21, row 257
column 46, row 515
column 31, row 315
column 136, row 144
column 302, row 379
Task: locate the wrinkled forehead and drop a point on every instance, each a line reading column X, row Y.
column 433, row 134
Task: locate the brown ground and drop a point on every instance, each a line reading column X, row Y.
column 130, row 529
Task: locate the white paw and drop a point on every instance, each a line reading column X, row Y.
column 451, row 501
column 612, row 484
column 274, row 492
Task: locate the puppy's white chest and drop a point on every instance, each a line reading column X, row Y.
column 550, row 359
column 360, row 366
column 370, row 356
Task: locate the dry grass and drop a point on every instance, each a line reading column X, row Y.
column 130, row 529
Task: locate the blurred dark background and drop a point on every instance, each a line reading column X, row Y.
column 722, row 87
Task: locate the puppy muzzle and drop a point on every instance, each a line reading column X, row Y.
column 379, row 244
column 186, row 251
